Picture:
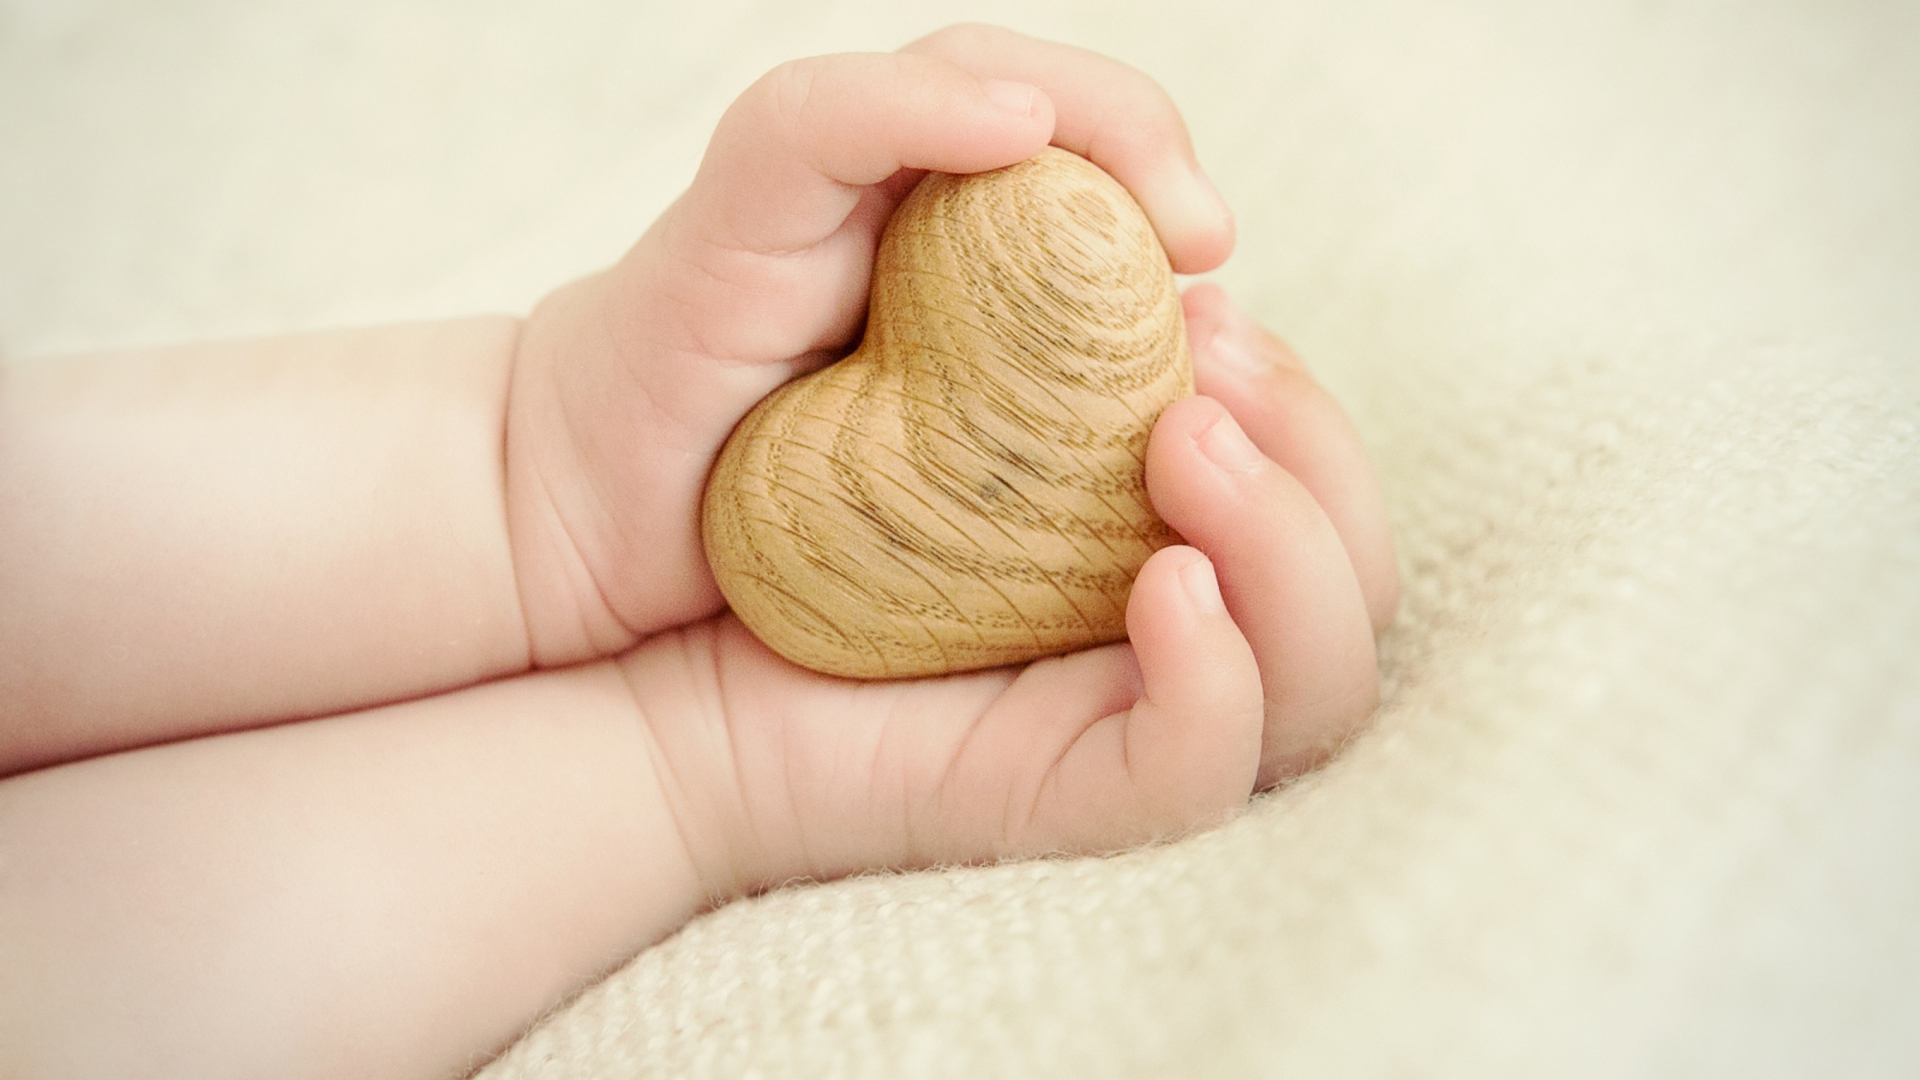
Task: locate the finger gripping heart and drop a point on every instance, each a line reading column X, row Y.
column 967, row 488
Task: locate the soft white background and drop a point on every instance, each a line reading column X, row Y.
column 1626, row 300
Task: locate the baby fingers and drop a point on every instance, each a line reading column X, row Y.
column 786, row 164
column 1192, row 742
column 1118, row 118
column 1112, row 747
column 1284, row 574
column 1302, row 428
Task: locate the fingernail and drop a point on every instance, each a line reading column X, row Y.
column 1201, row 209
column 1210, row 196
column 1227, row 446
column 1188, row 210
column 1203, row 587
column 1014, row 97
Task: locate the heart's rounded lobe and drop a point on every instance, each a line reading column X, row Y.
column 967, row 488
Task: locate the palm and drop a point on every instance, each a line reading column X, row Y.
column 627, row 384
column 835, row 774
column 691, row 330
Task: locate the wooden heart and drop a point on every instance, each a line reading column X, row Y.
column 966, row 489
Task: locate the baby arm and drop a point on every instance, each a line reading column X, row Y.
column 214, row 536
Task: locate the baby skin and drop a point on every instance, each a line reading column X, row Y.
column 363, row 694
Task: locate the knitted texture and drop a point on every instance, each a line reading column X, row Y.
column 1622, row 298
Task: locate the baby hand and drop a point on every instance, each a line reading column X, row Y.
column 627, row 383
column 1251, row 657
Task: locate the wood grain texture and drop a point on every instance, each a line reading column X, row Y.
column 966, row 489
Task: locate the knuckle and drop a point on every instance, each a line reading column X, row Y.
column 788, row 92
column 963, row 39
column 1146, row 123
column 1325, row 417
column 1281, row 350
column 1297, row 388
column 1290, row 396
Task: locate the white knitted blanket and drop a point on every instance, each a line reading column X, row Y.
column 1625, row 299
